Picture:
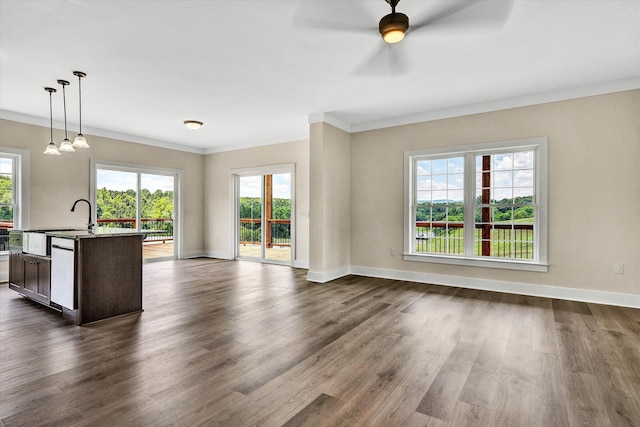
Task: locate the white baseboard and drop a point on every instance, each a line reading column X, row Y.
column 572, row 294
column 217, row 254
column 327, row 276
column 300, row 263
column 192, row 254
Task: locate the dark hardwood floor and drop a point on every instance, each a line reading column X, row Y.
column 239, row 344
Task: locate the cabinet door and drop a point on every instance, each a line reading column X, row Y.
column 30, row 288
column 16, row 272
column 44, row 280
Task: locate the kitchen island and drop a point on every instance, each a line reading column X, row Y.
column 93, row 275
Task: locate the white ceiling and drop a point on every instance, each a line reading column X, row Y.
column 254, row 71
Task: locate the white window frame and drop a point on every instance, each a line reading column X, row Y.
column 234, row 191
column 20, row 171
column 538, row 264
column 141, row 169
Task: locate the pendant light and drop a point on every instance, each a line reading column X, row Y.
column 80, row 141
column 51, row 149
column 65, row 145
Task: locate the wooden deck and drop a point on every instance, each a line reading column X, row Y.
column 163, row 250
column 276, row 253
column 157, row 250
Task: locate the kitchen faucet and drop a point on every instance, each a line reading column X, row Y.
column 73, row 208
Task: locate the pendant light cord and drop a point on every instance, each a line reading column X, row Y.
column 51, row 114
column 64, row 100
column 80, row 101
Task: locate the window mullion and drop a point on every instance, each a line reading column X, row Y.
column 469, row 199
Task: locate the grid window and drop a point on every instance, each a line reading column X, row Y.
column 439, row 213
column 8, row 197
column 484, row 205
column 505, row 208
column 7, row 191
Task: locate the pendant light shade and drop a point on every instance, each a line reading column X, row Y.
column 65, row 145
column 80, row 141
column 51, row 149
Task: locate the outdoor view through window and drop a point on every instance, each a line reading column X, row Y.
column 7, row 199
column 478, row 203
column 264, row 223
column 119, row 201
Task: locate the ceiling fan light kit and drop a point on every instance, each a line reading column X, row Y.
column 393, row 26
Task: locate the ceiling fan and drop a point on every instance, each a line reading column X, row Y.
column 476, row 13
column 441, row 16
column 393, row 26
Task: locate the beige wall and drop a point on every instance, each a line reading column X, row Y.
column 218, row 166
column 330, row 201
column 594, row 189
column 56, row 181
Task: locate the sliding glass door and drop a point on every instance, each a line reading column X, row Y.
column 250, row 217
column 142, row 200
column 157, row 203
column 264, row 228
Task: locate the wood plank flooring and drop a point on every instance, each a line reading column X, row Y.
column 235, row 343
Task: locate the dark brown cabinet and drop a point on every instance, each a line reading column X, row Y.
column 16, row 272
column 105, row 274
column 31, row 276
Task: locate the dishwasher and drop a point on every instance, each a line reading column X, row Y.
column 62, row 272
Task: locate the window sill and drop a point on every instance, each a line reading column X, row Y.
column 477, row 262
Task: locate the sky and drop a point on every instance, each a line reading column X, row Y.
column 443, row 179
column 5, row 166
column 250, row 186
column 122, row 181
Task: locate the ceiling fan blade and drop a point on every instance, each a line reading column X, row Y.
column 386, row 60
column 344, row 16
column 464, row 15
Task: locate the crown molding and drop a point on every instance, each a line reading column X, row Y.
column 91, row 131
column 331, row 119
column 296, row 137
column 503, row 104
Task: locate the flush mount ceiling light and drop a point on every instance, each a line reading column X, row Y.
column 51, row 149
column 65, row 145
column 193, row 124
column 393, row 26
column 80, row 141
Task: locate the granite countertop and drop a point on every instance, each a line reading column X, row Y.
column 99, row 232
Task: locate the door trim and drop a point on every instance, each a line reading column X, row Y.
column 178, row 209
column 234, row 188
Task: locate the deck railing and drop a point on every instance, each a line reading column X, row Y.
column 5, row 226
column 162, row 227
column 279, row 232
column 505, row 240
